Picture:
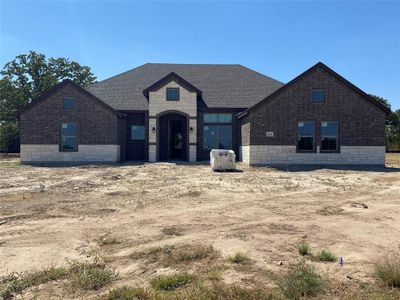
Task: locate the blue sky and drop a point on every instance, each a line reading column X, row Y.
column 360, row 40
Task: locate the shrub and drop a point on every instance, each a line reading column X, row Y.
column 170, row 282
column 175, row 255
column 89, row 276
column 16, row 283
column 10, row 285
column 239, row 258
column 301, row 281
column 388, row 270
column 304, row 249
column 326, row 255
column 127, row 293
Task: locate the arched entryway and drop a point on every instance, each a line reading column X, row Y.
column 172, row 136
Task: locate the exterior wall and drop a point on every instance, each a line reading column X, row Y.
column 96, row 124
column 36, row 153
column 278, row 155
column 245, row 130
column 98, row 129
column 361, row 125
column 135, row 149
column 360, row 122
column 204, row 154
column 158, row 105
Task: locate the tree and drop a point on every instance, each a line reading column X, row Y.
column 24, row 79
column 381, row 100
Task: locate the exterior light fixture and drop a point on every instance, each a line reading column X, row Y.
column 153, row 129
column 191, row 129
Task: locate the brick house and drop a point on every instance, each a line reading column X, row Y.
column 167, row 112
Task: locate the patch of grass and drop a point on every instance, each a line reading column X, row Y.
column 177, row 255
column 127, row 293
column 304, row 249
column 108, row 240
column 13, row 284
column 88, row 276
column 239, row 258
column 170, row 282
column 220, row 291
column 214, row 275
column 301, row 281
column 326, row 255
column 388, row 270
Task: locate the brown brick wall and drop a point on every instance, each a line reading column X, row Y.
column 360, row 122
column 137, row 149
column 96, row 124
column 245, row 130
column 203, row 154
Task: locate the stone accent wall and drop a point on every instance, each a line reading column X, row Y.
column 284, row 154
column 158, row 101
column 37, row 153
column 192, row 153
column 158, row 104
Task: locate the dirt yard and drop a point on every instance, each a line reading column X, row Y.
column 52, row 215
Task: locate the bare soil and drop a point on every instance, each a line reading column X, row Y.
column 49, row 215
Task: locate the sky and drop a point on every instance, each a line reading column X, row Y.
column 360, row 40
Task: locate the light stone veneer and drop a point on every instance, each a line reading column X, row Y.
column 187, row 104
column 349, row 155
column 31, row 153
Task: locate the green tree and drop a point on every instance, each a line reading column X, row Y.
column 23, row 80
column 392, row 125
column 381, row 100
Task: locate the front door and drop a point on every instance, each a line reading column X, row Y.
column 175, row 139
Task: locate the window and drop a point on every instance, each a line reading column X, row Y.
column 137, row 132
column 329, row 137
column 217, row 137
column 69, row 139
column 305, row 136
column 318, row 96
column 69, row 103
column 172, row 94
column 217, row 118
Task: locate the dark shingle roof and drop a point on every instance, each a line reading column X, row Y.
column 221, row 85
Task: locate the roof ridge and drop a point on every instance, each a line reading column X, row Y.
column 190, row 64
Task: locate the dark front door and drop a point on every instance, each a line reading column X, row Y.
column 172, row 137
column 175, row 140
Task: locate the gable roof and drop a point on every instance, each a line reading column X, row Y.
column 57, row 87
column 171, row 77
column 321, row 65
column 221, row 85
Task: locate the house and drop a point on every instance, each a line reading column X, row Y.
column 168, row 112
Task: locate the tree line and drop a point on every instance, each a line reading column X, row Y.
column 29, row 75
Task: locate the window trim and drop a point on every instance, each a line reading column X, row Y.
column 144, row 133
column 173, row 88
column 69, row 98
column 319, row 89
column 337, row 139
column 77, row 135
column 314, row 150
